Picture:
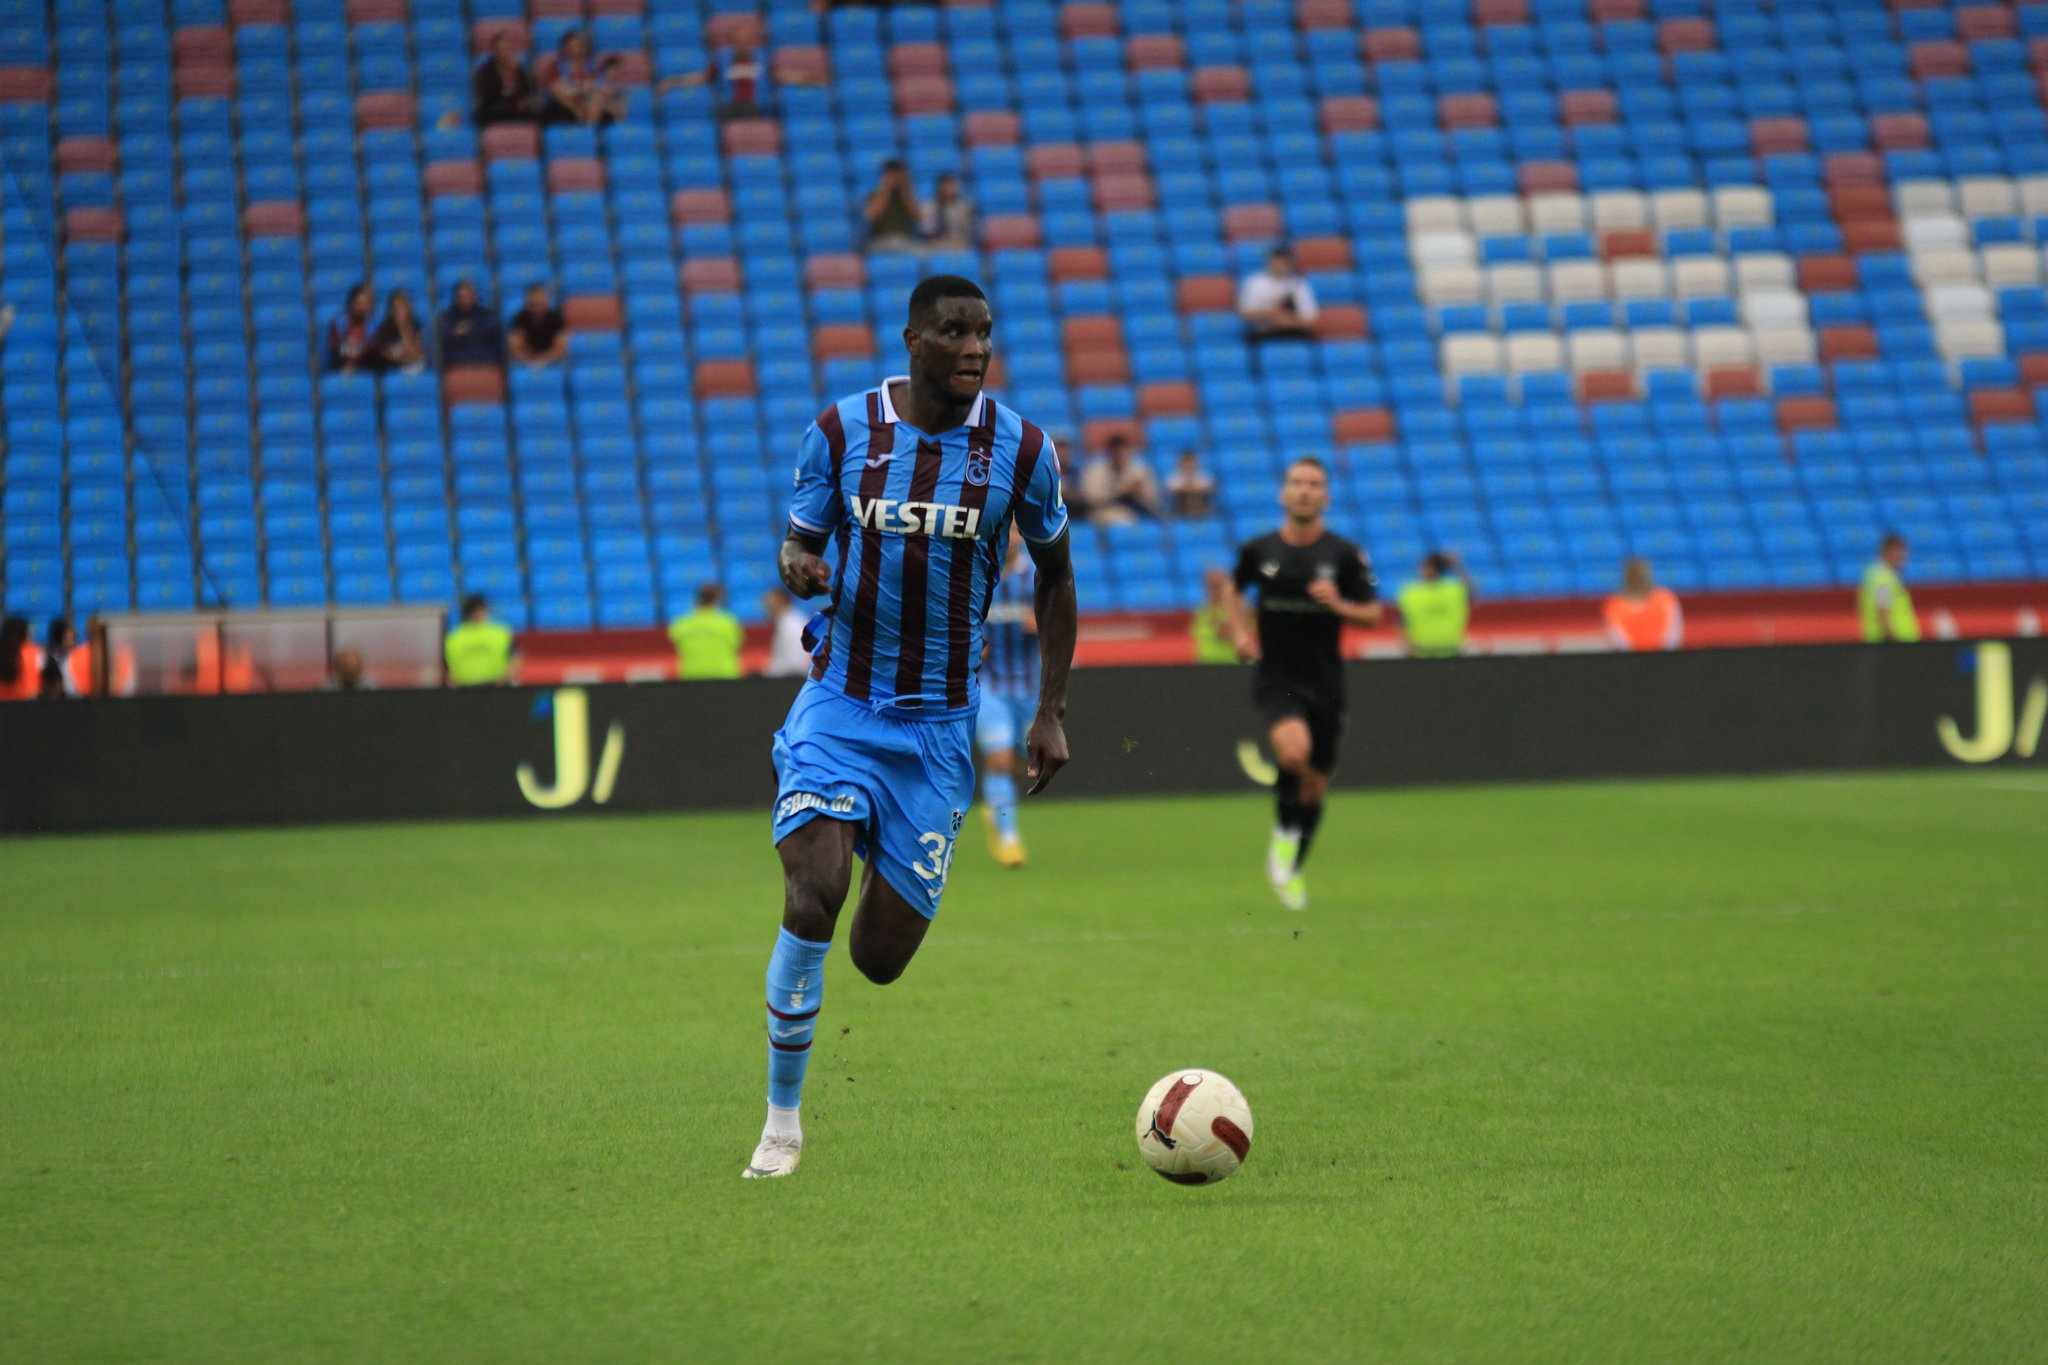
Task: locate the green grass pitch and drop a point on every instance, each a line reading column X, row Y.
column 1723, row 1070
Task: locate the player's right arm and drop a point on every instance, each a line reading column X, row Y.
column 815, row 511
column 1244, row 631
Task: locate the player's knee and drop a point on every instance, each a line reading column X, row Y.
column 877, row 966
column 811, row 898
column 998, row 760
column 1290, row 751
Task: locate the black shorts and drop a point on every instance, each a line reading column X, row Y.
column 1278, row 700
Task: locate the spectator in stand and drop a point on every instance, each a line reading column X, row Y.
column 708, row 639
column 580, row 89
column 1119, row 488
column 1276, row 302
column 469, row 333
column 892, row 212
column 56, row 682
column 346, row 674
column 479, row 651
column 539, row 336
column 348, row 335
column 1436, row 607
column 787, row 657
column 502, row 90
column 1191, row 488
column 400, row 343
column 19, row 676
column 948, row 221
column 1883, row 605
column 1213, row 626
column 1643, row 616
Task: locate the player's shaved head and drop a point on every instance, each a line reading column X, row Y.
column 935, row 290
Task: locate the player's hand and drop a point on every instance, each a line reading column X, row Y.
column 1247, row 646
column 1324, row 593
column 803, row 573
column 1045, row 750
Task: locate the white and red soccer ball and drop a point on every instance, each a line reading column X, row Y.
column 1194, row 1127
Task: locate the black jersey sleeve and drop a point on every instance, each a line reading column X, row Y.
column 1247, row 571
column 1356, row 581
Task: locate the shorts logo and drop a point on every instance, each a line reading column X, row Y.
column 837, row 805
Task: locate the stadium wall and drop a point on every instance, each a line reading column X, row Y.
column 294, row 758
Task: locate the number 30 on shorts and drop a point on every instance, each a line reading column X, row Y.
column 940, row 849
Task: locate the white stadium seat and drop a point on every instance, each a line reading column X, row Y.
column 1945, row 266
column 1722, row 347
column 1661, row 348
column 1923, row 198
column 1743, row 206
column 1935, row 232
column 1700, row 277
column 1534, row 352
column 1987, row 196
column 1443, row 285
column 1773, row 308
column 1641, row 277
column 1443, row 248
column 1471, row 353
column 1514, row 282
column 1597, row 348
column 1435, row 213
column 1577, row 281
column 1967, row 340
column 1497, row 215
column 1673, row 209
column 1619, row 209
column 1948, row 303
column 1765, row 270
column 1560, row 212
column 2011, row 266
column 2034, row 195
column 1784, row 346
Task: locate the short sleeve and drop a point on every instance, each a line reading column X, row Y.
column 1356, row 581
column 815, row 507
column 1247, row 572
column 1041, row 509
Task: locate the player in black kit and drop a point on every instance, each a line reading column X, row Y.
column 1310, row 583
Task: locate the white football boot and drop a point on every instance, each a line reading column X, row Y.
column 776, row 1156
column 1288, row 884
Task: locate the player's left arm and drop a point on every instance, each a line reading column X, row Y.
column 1354, row 594
column 1043, row 522
column 1058, row 614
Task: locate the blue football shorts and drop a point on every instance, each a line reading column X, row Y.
column 906, row 783
column 1004, row 721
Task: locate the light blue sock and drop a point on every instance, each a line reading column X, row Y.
column 1000, row 791
column 796, row 988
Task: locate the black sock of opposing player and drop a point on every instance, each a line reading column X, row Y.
column 1287, row 801
column 1310, row 817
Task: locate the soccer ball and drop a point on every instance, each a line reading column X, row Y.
column 1194, row 1127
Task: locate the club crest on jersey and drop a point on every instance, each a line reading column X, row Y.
column 979, row 458
column 908, row 518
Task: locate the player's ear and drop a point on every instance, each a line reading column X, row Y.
column 910, row 340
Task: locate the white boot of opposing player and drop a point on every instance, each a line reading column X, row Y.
column 782, row 1146
column 1288, row 884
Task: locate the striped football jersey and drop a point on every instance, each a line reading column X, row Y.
column 919, row 524
column 1011, row 667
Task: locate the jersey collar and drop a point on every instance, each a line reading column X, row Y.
column 889, row 408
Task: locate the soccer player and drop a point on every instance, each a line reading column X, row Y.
column 1009, row 696
column 917, row 483
column 1310, row 582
